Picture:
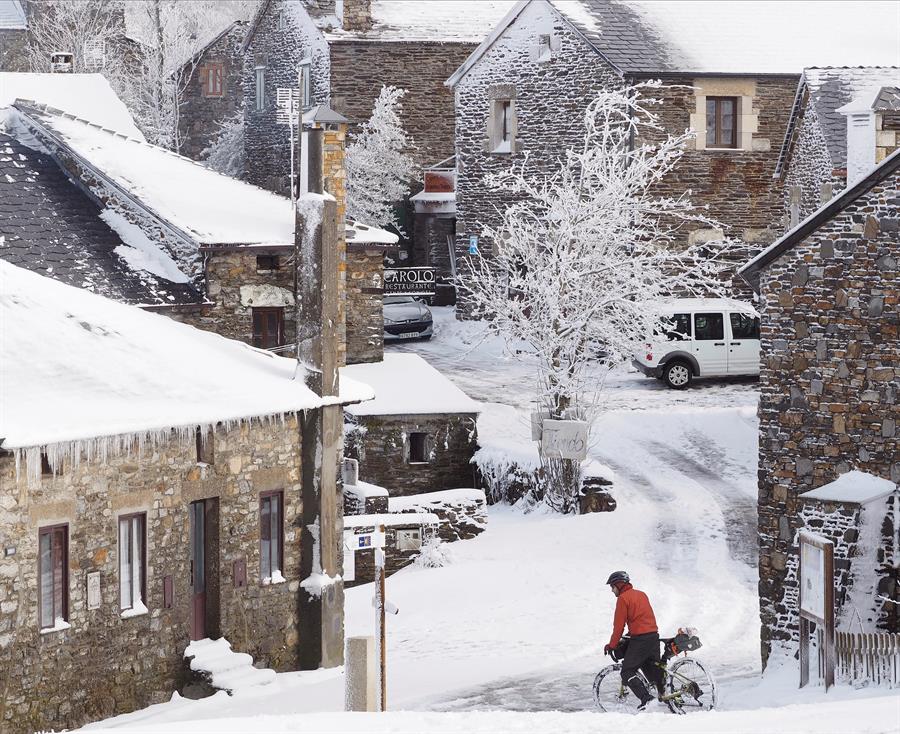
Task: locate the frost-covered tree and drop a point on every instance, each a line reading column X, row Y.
column 583, row 254
column 226, row 153
column 379, row 169
column 93, row 31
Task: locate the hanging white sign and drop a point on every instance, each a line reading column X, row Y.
column 564, row 440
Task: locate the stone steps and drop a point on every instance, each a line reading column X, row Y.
column 221, row 668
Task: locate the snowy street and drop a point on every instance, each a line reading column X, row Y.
column 517, row 620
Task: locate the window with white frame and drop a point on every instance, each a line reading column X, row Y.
column 545, row 52
column 94, row 54
column 260, row 88
column 305, row 83
column 132, row 563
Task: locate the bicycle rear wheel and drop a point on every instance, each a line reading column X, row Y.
column 611, row 695
column 695, row 687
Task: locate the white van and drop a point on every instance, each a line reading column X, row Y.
column 705, row 337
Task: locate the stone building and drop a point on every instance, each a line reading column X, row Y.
column 13, row 36
column 418, row 435
column 150, row 495
column 830, row 371
column 214, row 91
column 812, row 163
column 345, row 51
column 525, row 89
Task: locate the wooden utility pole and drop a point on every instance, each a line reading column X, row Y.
column 381, row 636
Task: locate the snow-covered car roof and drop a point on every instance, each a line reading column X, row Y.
column 75, row 366
column 407, row 384
column 676, row 305
column 87, row 96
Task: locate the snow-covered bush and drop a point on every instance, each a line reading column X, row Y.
column 434, row 554
column 584, row 253
column 226, row 154
column 378, row 168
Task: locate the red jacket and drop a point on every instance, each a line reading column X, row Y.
column 632, row 608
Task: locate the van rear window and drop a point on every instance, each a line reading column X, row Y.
column 744, row 326
column 675, row 328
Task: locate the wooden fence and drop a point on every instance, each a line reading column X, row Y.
column 873, row 657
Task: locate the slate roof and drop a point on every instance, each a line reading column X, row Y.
column 734, row 37
column 830, row 88
column 53, row 228
column 888, row 167
column 12, row 16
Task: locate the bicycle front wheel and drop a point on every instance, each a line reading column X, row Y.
column 611, row 695
column 691, row 686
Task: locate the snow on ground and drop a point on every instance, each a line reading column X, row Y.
column 507, row 637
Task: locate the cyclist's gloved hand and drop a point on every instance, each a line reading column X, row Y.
column 606, row 649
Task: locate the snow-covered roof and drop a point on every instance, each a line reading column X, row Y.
column 829, row 88
column 441, row 497
column 212, row 209
column 75, row 366
column 434, row 20
column 854, row 486
column 746, row 37
column 364, row 490
column 87, row 96
column 391, row 521
column 407, row 384
column 53, row 228
column 12, row 16
column 362, row 234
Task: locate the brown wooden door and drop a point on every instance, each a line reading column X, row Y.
column 268, row 327
column 198, row 570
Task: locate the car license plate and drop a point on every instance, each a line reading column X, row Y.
column 408, row 334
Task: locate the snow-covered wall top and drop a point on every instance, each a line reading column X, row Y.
column 75, row 366
column 853, row 486
column 87, row 96
column 210, row 208
column 405, row 384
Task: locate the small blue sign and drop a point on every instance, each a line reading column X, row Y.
column 365, row 541
column 473, row 244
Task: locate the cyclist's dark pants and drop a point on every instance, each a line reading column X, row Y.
column 642, row 652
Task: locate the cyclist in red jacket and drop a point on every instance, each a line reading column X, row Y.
column 633, row 608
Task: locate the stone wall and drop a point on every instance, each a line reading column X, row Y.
column 462, row 512
column 284, row 36
column 234, row 286
column 13, row 50
column 809, row 171
column 365, row 301
column 360, row 68
column 104, row 664
column 830, row 371
column 200, row 117
column 382, row 449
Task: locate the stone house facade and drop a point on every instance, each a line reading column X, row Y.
column 346, row 52
column 524, row 91
column 123, row 537
column 419, row 434
column 812, row 162
column 214, row 91
column 830, row 368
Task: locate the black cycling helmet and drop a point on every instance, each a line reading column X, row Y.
column 617, row 576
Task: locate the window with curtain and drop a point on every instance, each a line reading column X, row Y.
column 271, row 537
column 132, row 563
column 53, row 572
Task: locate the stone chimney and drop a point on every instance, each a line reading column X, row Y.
column 356, row 15
column 873, row 124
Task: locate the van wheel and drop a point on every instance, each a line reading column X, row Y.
column 678, row 375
